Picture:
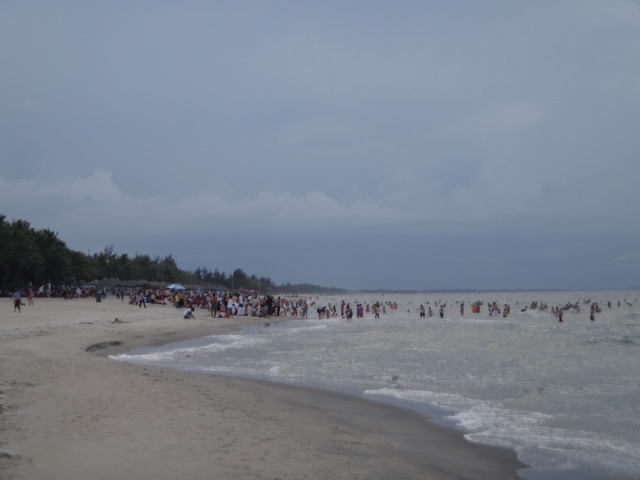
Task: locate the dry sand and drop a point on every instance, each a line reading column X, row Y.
column 66, row 413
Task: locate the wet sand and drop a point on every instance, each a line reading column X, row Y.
column 67, row 413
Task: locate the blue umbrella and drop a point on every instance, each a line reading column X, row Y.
column 176, row 286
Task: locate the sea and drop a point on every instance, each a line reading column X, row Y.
column 564, row 395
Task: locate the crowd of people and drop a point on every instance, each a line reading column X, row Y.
column 220, row 304
column 494, row 310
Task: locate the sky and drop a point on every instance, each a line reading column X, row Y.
column 416, row 145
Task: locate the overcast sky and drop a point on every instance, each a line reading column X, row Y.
column 355, row 144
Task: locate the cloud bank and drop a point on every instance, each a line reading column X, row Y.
column 362, row 145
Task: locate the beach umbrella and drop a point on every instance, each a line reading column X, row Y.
column 176, row 286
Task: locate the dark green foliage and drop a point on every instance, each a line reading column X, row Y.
column 38, row 257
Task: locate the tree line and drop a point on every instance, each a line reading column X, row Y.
column 36, row 257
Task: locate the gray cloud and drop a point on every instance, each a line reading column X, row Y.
column 397, row 139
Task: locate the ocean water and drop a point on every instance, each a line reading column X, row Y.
column 565, row 396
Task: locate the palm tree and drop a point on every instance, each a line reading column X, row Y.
column 56, row 258
column 6, row 250
column 26, row 258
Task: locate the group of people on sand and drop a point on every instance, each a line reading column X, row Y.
column 225, row 305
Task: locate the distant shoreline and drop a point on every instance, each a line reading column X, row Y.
column 516, row 290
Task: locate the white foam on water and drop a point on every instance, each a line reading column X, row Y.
column 565, row 396
column 217, row 344
column 301, row 329
column 548, row 448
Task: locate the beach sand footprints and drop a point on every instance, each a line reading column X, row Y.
column 341, row 436
column 5, row 457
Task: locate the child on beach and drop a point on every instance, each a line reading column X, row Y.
column 188, row 313
column 17, row 300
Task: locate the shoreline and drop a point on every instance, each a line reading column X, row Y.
column 68, row 413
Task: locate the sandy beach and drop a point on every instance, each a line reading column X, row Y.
column 69, row 412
